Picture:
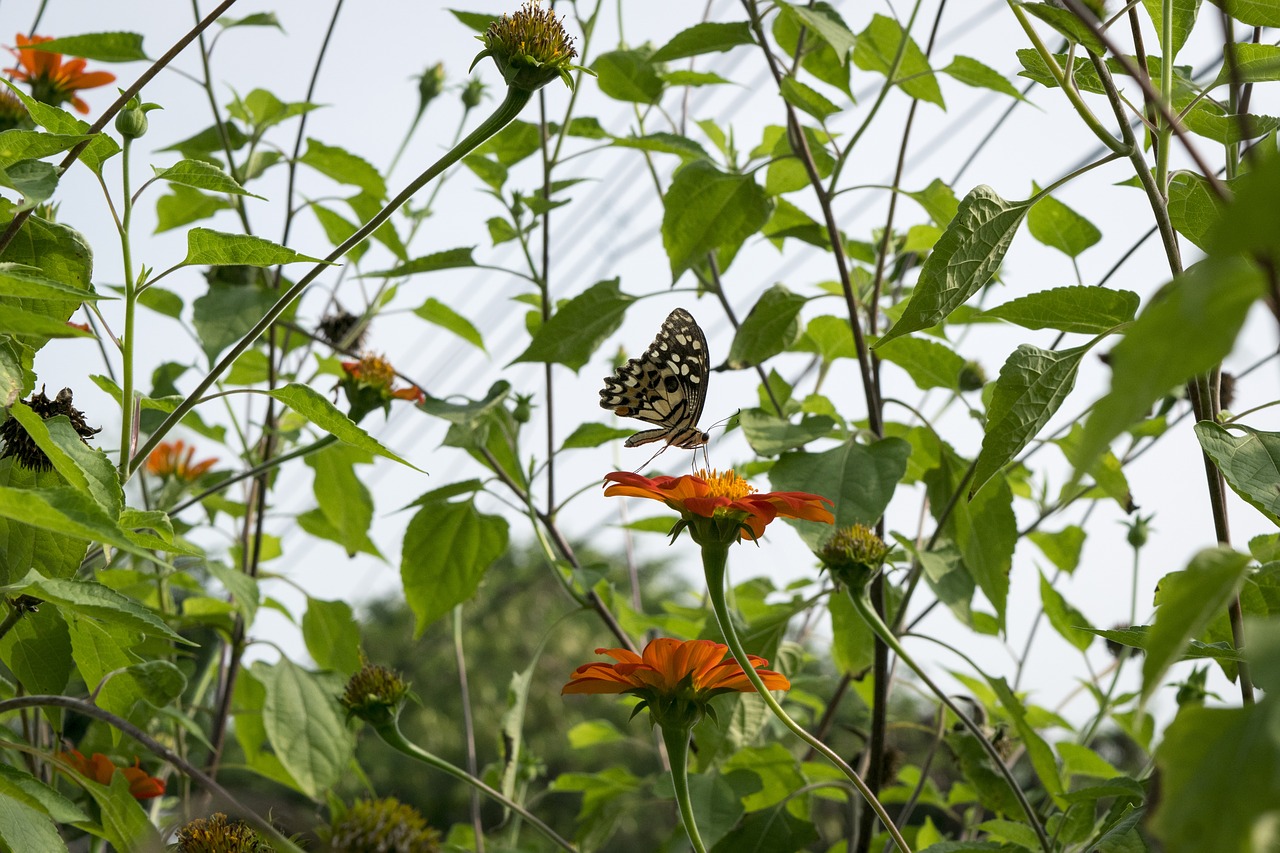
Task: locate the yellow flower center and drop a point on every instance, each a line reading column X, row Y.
column 727, row 484
column 376, row 371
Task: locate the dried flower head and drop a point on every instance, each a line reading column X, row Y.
column 531, row 48
column 216, row 834
column 384, row 824
column 13, row 115
column 20, row 445
column 374, row 694
column 339, row 330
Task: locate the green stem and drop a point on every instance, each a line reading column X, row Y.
column 510, row 107
column 715, row 557
column 130, row 301
column 1164, row 132
column 677, row 741
column 392, row 736
column 862, row 603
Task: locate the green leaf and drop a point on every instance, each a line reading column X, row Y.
column 56, row 120
column 316, row 408
column 806, row 98
column 1138, row 636
column 17, row 145
column 1042, row 760
column 939, row 201
column 877, row 46
column 1186, row 601
column 86, row 470
column 1212, row 121
column 332, row 635
column 593, row 435
column 684, row 77
column 859, row 478
column 665, row 143
column 344, row 167
column 1034, row 68
column 95, row 601
column 345, row 504
column 257, row 19
column 38, row 652
column 929, row 364
column 67, row 512
column 225, row 313
column 1254, row 63
column 1069, row 622
column 34, row 328
column 823, row 20
column 304, row 723
column 102, row 47
column 447, row 549
column 1184, row 19
column 1062, row 547
column 706, row 210
column 1250, row 463
column 1157, row 354
column 1059, row 227
column 963, row 261
column 1086, row 310
column 60, row 254
column 33, row 180
column 1219, row 777
column 704, row 38
column 573, row 334
column 769, row 328
column 971, row 72
column 1243, row 226
column 852, row 641
column 202, row 176
column 770, row 435
column 1032, row 385
column 435, row 311
column 124, row 824
column 218, row 248
column 769, row 830
column 629, row 75
column 446, row 260
column 183, row 205
column 1066, row 23
column 1255, row 13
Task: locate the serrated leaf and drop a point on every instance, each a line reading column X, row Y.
column 1255, row 13
column 55, row 120
column 435, row 311
column 316, row 408
column 665, row 143
column 218, row 248
column 575, row 331
column 768, row 329
column 1086, row 310
column 879, row 44
column 447, row 549
column 706, row 210
column 1069, row 622
column 202, row 176
column 823, row 20
column 1032, row 385
column 1137, row 637
column 971, row 72
column 96, row 602
column 1184, row 19
column 1253, row 63
column 446, row 260
column 184, row 205
column 1067, row 24
column 806, row 98
column 17, row 145
column 1062, row 547
column 963, row 261
column 1186, row 602
column 930, row 364
column 1157, row 354
column 770, row 435
column 332, row 635
column 1250, row 463
column 709, row 37
column 344, row 167
column 304, row 725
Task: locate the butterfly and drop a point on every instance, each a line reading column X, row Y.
column 666, row 386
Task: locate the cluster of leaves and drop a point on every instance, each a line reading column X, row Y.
column 126, row 629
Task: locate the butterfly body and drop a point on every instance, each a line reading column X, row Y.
column 666, row 386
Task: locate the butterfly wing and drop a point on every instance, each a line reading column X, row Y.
column 666, row 386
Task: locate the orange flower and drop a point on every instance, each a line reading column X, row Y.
column 676, row 678
column 100, row 769
column 374, row 371
column 53, row 81
column 714, row 495
column 174, row 459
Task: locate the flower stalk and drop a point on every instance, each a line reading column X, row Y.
column 715, row 557
column 677, row 742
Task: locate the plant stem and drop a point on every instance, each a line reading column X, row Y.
column 677, row 741
column 393, row 737
column 130, row 302
column 501, row 117
column 715, row 558
column 862, row 603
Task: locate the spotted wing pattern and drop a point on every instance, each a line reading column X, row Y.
column 666, row 386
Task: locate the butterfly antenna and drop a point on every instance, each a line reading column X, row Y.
column 726, row 422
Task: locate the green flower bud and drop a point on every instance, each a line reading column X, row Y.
column 430, row 85
column 374, row 694
column 853, row 555
column 523, row 409
column 132, row 122
column 972, row 376
column 531, row 48
column 472, row 93
column 1139, row 530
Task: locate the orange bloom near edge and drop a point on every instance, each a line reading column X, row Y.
column 53, row 81
column 669, row 668
column 100, row 769
column 711, row 494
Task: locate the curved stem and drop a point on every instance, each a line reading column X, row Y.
column 715, row 557
column 677, row 741
column 502, row 116
column 862, row 603
column 392, row 736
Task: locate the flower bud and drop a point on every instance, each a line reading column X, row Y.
column 430, row 85
column 132, row 120
column 972, row 376
column 1139, row 530
column 374, row 694
column 853, row 555
column 472, row 93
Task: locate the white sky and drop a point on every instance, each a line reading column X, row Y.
column 611, row 229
